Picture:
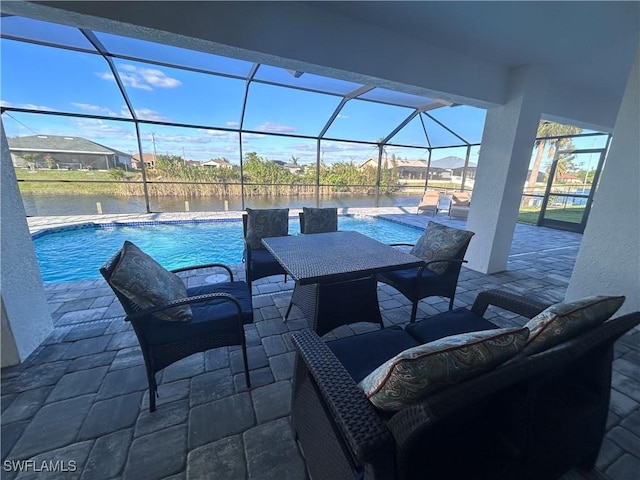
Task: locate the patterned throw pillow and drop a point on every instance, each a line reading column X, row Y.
column 564, row 320
column 417, row 372
column 320, row 220
column 146, row 283
column 265, row 223
column 440, row 242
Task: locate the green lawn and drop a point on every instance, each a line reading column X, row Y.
column 46, row 182
column 569, row 214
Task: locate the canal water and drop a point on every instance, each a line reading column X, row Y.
column 46, row 205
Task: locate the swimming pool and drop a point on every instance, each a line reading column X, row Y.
column 77, row 254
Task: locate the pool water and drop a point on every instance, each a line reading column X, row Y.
column 74, row 255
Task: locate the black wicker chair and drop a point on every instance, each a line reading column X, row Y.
column 318, row 220
column 534, row 418
column 219, row 313
column 258, row 262
column 421, row 282
column 321, row 220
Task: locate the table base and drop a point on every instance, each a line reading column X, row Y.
column 330, row 305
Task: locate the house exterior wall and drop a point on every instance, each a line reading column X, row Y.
column 26, row 320
column 65, row 160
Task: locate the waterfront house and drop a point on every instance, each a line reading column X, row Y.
column 71, row 153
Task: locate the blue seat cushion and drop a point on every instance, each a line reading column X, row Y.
column 362, row 354
column 264, row 264
column 407, row 279
column 459, row 320
column 208, row 318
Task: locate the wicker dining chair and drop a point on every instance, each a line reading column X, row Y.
column 170, row 328
column 313, row 220
column 442, row 248
column 318, row 220
column 258, row 224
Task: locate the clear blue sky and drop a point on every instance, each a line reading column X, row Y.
column 46, row 78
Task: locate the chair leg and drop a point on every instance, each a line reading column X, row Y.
column 286, row 315
column 414, row 310
column 451, row 303
column 246, row 365
column 153, row 390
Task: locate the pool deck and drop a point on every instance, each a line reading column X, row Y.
column 82, row 395
column 39, row 224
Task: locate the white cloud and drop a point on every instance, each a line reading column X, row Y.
column 275, row 127
column 148, row 114
column 99, row 130
column 96, row 109
column 233, row 124
column 252, row 136
column 142, row 78
column 28, row 106
column 221, row 134
column 345, row 147
column 304, row 147
column 186, row 139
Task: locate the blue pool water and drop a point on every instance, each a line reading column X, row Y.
column 74, row 255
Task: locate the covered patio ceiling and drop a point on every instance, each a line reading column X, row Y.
column 233, row 95
column 459, row 52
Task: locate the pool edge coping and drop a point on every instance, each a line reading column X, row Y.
column 41, row 226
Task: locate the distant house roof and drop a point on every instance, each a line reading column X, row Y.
column 446, row 163
column 292, row 166
column 57, row 143
column 450, row 162
column 117, row 152
column 389, row 163
column 410, row 163
column 217, row 162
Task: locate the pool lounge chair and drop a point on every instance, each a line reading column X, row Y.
column 460, row 202
column 429, row 202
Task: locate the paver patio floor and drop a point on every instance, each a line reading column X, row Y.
column 82, row 396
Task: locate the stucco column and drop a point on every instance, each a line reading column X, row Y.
column 507, row 141
column 608, row 262
column 26, row 320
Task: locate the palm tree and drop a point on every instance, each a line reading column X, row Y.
column 549, row 129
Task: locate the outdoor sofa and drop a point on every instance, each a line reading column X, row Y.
column 536, row 416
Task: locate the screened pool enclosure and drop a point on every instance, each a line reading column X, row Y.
column 98, row 122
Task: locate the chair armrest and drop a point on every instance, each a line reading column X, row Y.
column 246, row 253
column 527, row 307
column 206, row 265
column 353, row 415
column 188, row 301
column 451, row 261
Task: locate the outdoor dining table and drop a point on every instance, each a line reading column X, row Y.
column 335, row 275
